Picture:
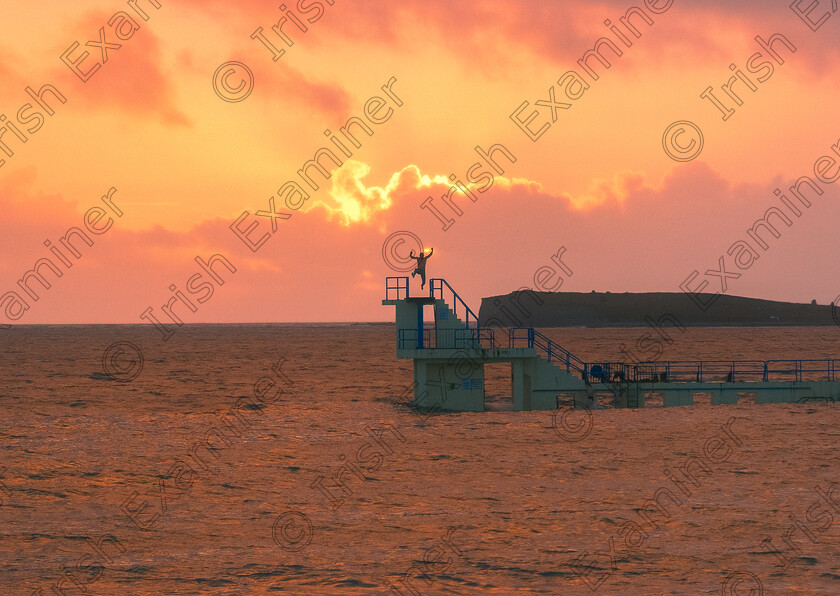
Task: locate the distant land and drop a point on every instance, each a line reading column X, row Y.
column 596, row 309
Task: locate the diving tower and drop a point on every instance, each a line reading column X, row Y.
column 449, row 348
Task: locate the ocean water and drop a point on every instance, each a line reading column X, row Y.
column 331, row 485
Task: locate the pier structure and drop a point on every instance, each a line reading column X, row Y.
column 449, row 348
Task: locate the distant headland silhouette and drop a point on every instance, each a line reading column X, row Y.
column 604, row 309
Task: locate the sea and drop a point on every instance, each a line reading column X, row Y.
column 284, row 458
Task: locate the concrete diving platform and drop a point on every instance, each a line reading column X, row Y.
column 449, row 349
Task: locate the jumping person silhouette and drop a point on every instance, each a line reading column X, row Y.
column 421, row 265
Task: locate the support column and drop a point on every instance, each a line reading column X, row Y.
column 518, row 388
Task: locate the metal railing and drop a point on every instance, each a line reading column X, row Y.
column 436, row 290
column 685, row 371
column 407, row 339
column 696, row 371
column 483, row 337
column 554, row 352
column 678, row 371
column 717, row 371
column 801, row 370
column 396, row 288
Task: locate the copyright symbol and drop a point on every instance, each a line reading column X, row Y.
column 223, row 88
column 835, row 310
column 569, row 430
column 677, row 150
column 400, row 260
column 122, row 361
column 292, row 531
column 741, row 583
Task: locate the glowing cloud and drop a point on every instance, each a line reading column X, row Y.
column 351, row 201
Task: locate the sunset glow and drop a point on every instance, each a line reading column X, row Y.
column 497, row 132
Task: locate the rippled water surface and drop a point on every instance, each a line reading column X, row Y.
column 103, row 485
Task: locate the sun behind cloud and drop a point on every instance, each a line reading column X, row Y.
column 351, row 201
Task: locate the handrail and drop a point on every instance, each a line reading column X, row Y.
column 409, row 339
column 553, row 351
column 721, row 371
column 727, row 371
column 474, row 338
column 395, row 287
column 436, row 286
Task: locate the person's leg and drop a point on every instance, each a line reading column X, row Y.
column 423, row 279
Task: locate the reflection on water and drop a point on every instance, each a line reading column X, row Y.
column 494, row 502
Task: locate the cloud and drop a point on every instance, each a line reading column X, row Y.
column 291, row 84
column 642, row 236
column 350, row 200
column 132, row 81
column 493, row 37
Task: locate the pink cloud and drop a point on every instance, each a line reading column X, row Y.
column 132, row 80
column 283, row 81
column 642, row 237
column 482, row 34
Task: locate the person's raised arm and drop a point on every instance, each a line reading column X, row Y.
column 431, row 250
column 411, row 254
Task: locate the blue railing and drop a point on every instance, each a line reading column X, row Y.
column 436, row 289
column 697, row 371
column 396, row 288
column 475, row 338
column 707, row 371
column 717, row 371
column 556, row 353
column 802, row 370
column 407, row 339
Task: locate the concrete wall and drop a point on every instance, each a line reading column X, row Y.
column 439, row 387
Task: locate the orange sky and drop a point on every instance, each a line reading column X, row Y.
column 186, row 164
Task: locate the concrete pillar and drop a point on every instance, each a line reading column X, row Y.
column 516, row 385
